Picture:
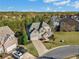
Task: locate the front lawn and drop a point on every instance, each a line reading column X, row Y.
column 31, row 49
column 70, row 38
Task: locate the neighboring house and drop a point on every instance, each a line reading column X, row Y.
column 67, row 25
column 76, row 18
column 77, row 24
column 39, row 30
column 55, row 21
column 70, row 23
column 8, row 41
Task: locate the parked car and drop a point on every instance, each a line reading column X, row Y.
column 18, row 53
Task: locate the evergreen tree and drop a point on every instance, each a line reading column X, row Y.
column 24, row 36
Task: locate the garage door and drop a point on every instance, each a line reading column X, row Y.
column 9, row 49
column 34, row 38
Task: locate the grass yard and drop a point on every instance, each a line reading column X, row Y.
column 70, row 38
column 31, row 49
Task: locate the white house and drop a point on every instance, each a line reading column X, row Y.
column 39, row 30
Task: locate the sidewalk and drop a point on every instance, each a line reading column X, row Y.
column 39, row 47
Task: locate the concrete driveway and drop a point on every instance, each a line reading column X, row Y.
column 62, row 52
column 39, row 47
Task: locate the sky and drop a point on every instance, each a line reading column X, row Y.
column 39, row 5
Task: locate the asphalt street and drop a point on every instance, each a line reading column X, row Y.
column 62, row 52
